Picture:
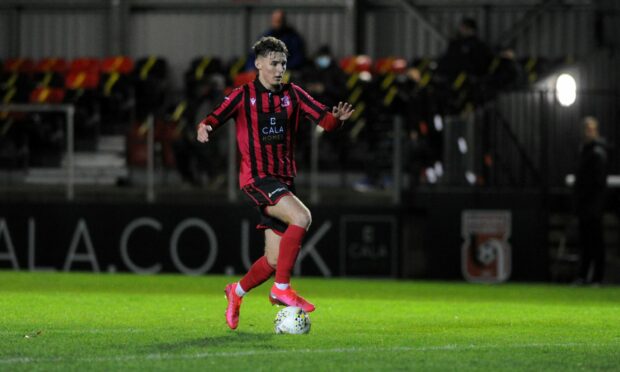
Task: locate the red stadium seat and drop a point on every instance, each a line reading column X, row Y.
column 383, row 65
column 58, row 65
column 47, row 95
column 355, row 64
column 346, row 64
column 244, row 77
column 85, row 64
column 24, row 65
column 82, row 80
column 119, row 64
column 390, row 64
column 399, row 65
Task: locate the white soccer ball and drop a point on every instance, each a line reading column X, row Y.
column 292, row 320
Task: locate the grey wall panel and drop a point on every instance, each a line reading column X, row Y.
column 180, row 37
column 390, row 32
column 62, row 33
column 560, row 32
column 56, row 3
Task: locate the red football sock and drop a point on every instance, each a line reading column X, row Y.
column 289, row 249
column 257, row 275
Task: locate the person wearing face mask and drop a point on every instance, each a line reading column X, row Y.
column 323, row 79
column 267, row 114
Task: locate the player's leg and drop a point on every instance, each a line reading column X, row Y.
column 296, row 215
column 272, row 247
column 298, row 218
column 259, row 273
column 263, row 268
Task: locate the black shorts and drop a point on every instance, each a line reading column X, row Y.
column 265, row 192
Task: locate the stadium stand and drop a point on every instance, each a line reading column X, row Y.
column 114, row 95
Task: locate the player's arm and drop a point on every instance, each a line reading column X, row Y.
column 329, row 120
column 220, row 115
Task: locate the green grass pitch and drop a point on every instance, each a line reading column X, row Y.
column 108, row 322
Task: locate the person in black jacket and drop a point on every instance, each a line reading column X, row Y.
column 282, row 30
column 590, row 195
column 466, row 52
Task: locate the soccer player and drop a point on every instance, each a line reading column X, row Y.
column 268, row 113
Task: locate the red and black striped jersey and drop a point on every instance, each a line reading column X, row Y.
column 267, row 123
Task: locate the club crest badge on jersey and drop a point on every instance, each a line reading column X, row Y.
column 485, row 253
column 286, row 101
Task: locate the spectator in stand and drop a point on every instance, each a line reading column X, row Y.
column 504, row 73
column 326, row 82
column 462, row 69
column 590, row 195
column 280, row 29
column 466, row 53
column 323, row 79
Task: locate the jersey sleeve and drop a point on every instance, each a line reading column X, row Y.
column 315, row 110
column 225, row 110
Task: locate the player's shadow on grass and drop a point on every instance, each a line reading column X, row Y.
column 241, row 339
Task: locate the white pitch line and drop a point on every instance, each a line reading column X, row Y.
column 226, row 354
column 72, row 331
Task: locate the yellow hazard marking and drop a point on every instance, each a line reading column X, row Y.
column 458, row 82
column 144, row 71
column 359, row 108
column 179, row 128
column 116, row 64
column 109, row 84
column 143, row 128
column 9, row 95
column 389, row 79
column 426, row 78
column 7, row 125
column 79, row 80
column 357, row 128
column 200, row 69
column 423, row 64
column 389, row 97
column 355, row 95
column 234, row 70
column 12, row 79
column 530, row 64
column 352, row 80
column 44, row 94
column 178, row 111
column 46, row 79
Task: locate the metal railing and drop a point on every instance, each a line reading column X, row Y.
column 528, row 134
column 69, row 111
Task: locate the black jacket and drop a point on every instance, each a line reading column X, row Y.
column 591, row 179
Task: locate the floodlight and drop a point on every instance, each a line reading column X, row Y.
column 566, row 89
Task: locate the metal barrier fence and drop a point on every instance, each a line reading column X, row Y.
column 521, row 139
column 69, row 111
